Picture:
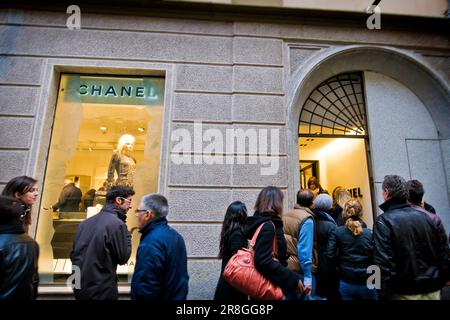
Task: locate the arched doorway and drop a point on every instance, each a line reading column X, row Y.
column 333, row 139
column 394, row 71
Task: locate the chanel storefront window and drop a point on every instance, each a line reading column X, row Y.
column 106, row 132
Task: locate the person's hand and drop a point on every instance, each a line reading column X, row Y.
column 300, row 287
column 308, row 290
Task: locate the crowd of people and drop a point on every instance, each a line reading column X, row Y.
column 325, row 251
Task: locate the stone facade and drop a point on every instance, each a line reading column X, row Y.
column 230, row 74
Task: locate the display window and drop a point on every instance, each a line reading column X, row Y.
column 106, row 131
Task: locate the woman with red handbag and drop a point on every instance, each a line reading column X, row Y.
column 232, row 238
column 268, row 211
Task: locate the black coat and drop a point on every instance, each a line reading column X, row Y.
column 336, row 214
column 327, row 281
column 101, row 243
column 18, row 264
column 409, row 250
column 224, row 291
column 69, row 199
column 276, row 271
column 351, row 254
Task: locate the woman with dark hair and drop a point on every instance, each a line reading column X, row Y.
column 88, row 199
column 350, row 248
column 232, row 238
column 268, row 211
column 315, row 187
column 25, row 190
column 19, row 254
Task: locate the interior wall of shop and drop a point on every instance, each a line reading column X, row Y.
column 227, row 74
column 343, row 163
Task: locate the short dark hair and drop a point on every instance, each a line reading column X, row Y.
column 118, row 191
column 305, row 198
column 157, row 203
column 270, row 199
column 395, row 186
column 10, row 210
column 415, row 191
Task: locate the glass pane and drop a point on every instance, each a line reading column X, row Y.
column 107, row 131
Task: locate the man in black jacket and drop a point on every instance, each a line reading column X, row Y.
column 69, row 199
column 18, row 254
column 101, row 243
column 408, row 249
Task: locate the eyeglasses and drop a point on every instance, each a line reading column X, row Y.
column 125, row 199
column 140, row 210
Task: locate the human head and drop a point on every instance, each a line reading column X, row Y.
column 23, row 188
column 91, row 192
column 415, row 191
column 10, row 210
column 341, row 196
column 152, row 206
column 126, row 142
column 67, row 181
column 394, row 187
column 270, row 199
column 235, row 218
column 323, row 202
column 305, row 198
column 120, row 196
column 313, row 183
column 352, row 214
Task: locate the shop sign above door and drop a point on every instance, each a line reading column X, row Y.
column 104, row 90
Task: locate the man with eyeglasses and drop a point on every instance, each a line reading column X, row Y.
column 161, row 263
column 101, row 243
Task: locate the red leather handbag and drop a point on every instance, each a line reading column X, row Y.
column 241, row 273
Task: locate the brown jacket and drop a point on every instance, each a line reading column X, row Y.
column 292, row 222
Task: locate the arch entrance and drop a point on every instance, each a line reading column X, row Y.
column 333, row 139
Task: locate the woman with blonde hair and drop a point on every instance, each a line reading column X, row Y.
column 340, row 197
column 350, row 249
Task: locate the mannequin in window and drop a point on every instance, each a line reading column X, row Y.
column 122, row 163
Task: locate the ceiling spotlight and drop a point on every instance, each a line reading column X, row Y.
column 90, row 149
column 140, row 129
column 103, row 129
